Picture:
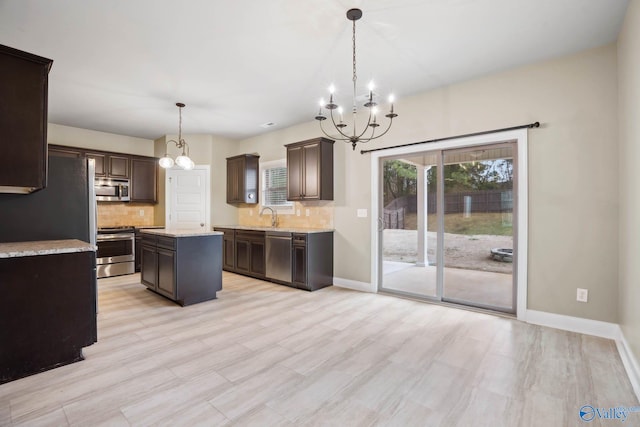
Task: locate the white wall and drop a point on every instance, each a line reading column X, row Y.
column 573, row 202
column 85, row 138
column 629, row 190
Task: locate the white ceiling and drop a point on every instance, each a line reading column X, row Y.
column 120, row 65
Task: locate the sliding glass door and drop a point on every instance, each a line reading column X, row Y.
column 409, row 224
column 478, row 226
column 447, row 225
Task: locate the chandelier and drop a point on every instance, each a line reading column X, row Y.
column 368, row 131
column 183, row 159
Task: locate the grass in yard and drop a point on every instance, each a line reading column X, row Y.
column 495, row 224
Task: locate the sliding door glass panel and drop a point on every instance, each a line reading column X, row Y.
column 478, row 226
column 409, row 235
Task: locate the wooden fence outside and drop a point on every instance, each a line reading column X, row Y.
column 471, row 201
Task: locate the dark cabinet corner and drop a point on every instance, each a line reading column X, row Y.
column 100, row 162
column 144, row 179
column 61, row 151
column 312, row 260
column 243, row 178
column 47, row 312
column 23, row 120
column 310, row 170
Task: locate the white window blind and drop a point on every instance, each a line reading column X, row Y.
column 274, row 187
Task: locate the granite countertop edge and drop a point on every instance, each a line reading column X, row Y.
column 179, row 233
column 282, row 229
column 44, row 247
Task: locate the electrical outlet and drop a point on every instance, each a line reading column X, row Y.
column 582, row 295
column 306, row 212
column 251, row 212
column 297, row 212
column 141, row 212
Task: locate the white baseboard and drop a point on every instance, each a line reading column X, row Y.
column 574, row 324
column 353, row 284
column 630, row 362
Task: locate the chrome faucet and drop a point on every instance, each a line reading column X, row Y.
column 274, row 215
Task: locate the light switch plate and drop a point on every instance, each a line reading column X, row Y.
column 362, row 213
column 582, row 295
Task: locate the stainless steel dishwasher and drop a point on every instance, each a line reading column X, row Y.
column 278, row 256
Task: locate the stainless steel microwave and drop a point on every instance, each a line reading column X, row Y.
column 112, row 190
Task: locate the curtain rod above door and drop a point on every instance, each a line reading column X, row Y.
column 528, row 126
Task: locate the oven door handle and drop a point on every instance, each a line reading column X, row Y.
column 111, row 237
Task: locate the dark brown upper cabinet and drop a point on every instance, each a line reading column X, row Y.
column 142, row 171
column 110, row 165
column 242, row 178
column 310, row 170
column 144, row 179
column 23, row 120
column 119, row 166
column 62, row 151
column 100, row 162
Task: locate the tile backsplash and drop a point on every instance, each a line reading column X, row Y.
column 115, row 214
column 320, row 215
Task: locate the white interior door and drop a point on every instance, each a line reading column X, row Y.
column 188, row 198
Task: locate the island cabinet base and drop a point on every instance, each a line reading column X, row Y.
column 186, row 270
column 47, row 312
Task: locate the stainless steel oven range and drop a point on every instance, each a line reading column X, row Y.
column 116, row 251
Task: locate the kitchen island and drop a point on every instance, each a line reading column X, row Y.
column 184, row 266
column 48, row 305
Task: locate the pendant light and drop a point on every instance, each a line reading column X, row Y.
column 183, row 159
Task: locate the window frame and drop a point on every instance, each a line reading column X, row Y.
column 289, row 208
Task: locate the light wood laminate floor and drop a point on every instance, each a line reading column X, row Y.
column 268, row 355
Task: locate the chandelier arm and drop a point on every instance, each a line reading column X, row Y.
column 387, row 129
column 382, row 134
column 331, row 136
column 337, row 128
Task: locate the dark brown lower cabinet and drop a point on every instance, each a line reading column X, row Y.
column 47, row 312
column 299, row 265
column 185, row 269
column 228, row 253
column 311, row 256
column 312, row 260
column 149, row 264
column 250, row 253
column 166, row 273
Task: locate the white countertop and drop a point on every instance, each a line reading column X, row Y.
column 43, row 247
column 283, row 229
column 180, row 233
